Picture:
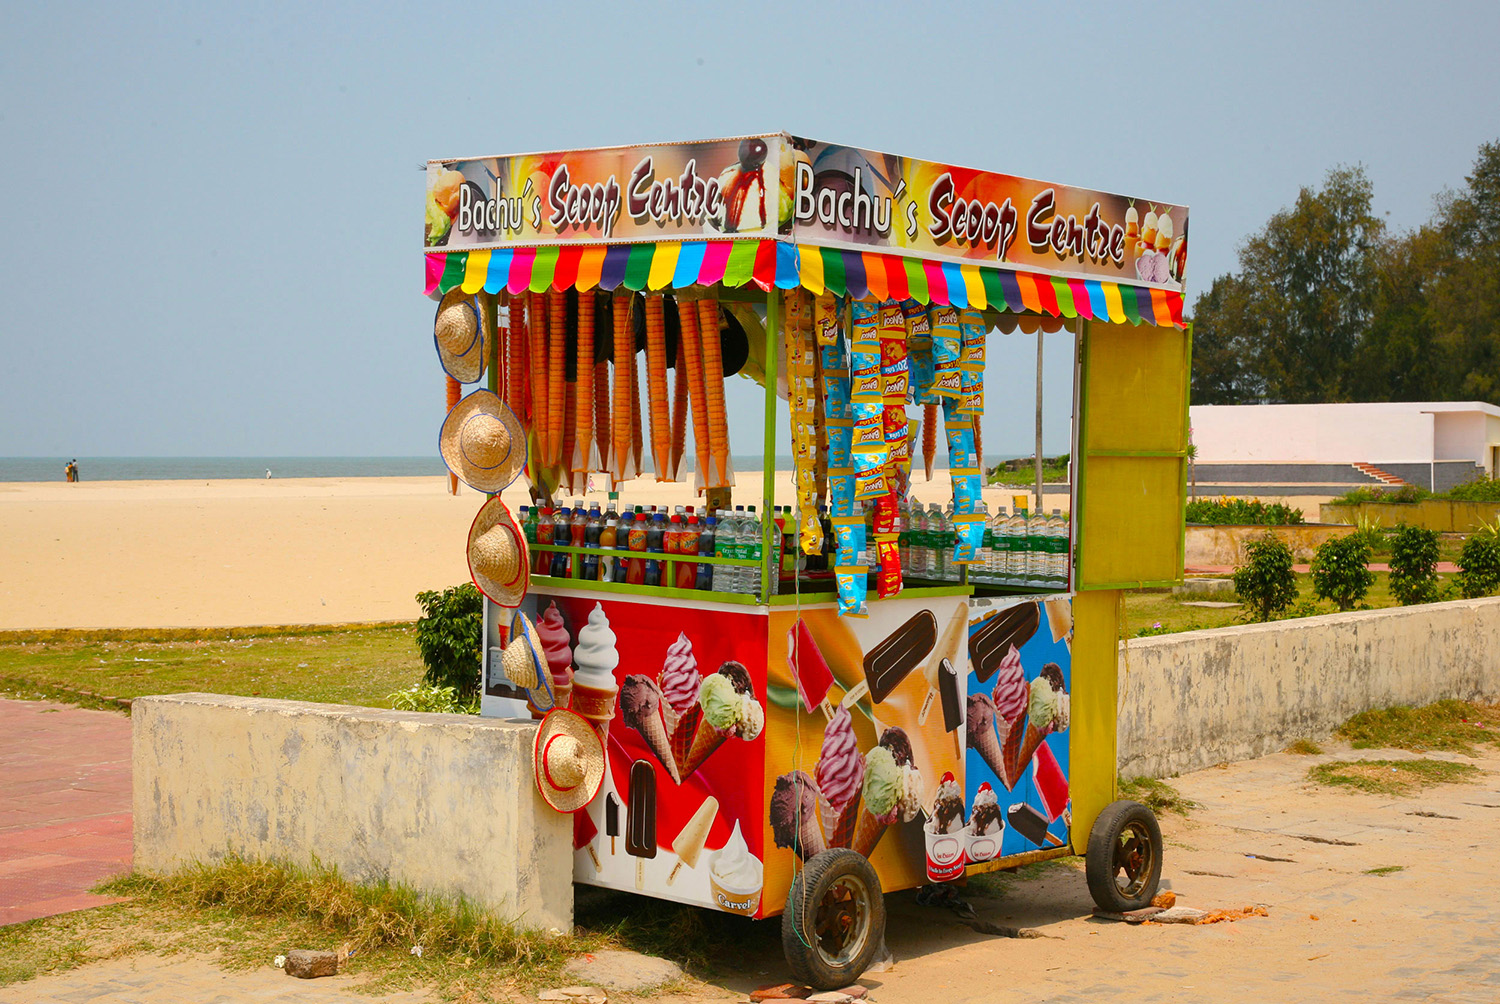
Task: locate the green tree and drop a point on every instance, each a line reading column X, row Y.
column 1340, row 570
column 1308, row 277
column 1465, row 300
column 1265, row 582
column 1225, row 364
column 449, row 634
column 1402, row 357
column 1414, row 555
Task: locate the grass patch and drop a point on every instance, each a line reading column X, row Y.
column 996, row 883
column 351, row 665
column 1391, row 777
column 1449, row 726
column 1385, row 870
column 1158, row 796
column 1305, row 747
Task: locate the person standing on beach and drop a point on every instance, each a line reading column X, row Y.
column 268, row 473
column 68, row 471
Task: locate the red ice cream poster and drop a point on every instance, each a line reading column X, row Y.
column 684, row 691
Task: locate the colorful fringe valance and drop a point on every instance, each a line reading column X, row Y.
column 767, row 264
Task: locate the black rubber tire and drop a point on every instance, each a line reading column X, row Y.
column 839, row 893
column 1125, row 838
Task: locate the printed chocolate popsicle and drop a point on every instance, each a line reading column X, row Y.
column 640, row 818
column 809, row 669
column 893, row 660
column 612, row 819
column 1031, row 824
column 584, row 832
column 947, row 652
column 953, row 709
column 692, row 837
column 996, row 633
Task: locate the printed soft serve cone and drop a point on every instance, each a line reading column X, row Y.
column 595, row 691
column 840, row 771
column 558, row 648
column 1010, row 697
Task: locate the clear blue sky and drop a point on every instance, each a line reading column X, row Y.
column 210, row 214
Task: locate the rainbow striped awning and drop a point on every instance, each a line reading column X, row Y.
column 770, row 264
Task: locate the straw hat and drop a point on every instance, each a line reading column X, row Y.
column 498, row 557
column 525, row 663
column 483, row 442
column 568, row 760
column 462, row 335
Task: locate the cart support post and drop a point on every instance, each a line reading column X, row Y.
column 1038, row 420
column 768, row 450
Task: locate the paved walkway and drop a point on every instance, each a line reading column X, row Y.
column 64, row 806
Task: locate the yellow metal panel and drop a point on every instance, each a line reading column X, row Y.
column 1137, row 387
column 1132, row 518
column 1091, row 753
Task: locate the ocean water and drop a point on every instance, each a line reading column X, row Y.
column 227, row 468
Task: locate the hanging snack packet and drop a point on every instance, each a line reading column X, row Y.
column 968, row 524
column 802, row 397
column 853, row 588
column 947, row 337
column 971, row 362
column 826, row 320
column 870, row 451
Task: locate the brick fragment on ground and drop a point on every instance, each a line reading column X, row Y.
column 309, row 965
column 780, row 992
column 1165, row 900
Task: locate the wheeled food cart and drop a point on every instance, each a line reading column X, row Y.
column 846, row 702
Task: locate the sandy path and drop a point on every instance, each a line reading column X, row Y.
column 278, row 551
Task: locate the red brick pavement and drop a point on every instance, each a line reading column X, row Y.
column 64, row 806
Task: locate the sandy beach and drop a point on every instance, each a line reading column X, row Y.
column 131, row 554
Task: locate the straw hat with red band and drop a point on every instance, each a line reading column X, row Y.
column 461, row 331
column 498, row 557
column 524, row 663
column 568, row 760
column 483, row 442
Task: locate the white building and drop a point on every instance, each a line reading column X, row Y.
column 1432, row 444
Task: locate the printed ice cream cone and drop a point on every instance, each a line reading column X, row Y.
column 840, row 772
column 842, row 834
column 559, row 651
column 795, row 815
column 595, row 691
column 980, row 723
column 726, row 708
column 1010, row 698
column 641, row 707
column 867, row 834
column 1049, row 710
column 880, row 798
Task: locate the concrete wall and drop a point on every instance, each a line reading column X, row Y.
column 1215, row 546
column 1430, row 514
column 1199, row 698
column 1312, row 433
column 444, row 803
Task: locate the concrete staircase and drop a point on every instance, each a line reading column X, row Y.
column 1384, row 477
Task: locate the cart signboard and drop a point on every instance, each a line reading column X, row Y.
column 807, row 192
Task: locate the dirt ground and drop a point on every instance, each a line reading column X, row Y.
column 1335, row 932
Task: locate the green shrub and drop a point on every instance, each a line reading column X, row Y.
column 425, row 697
column 1237, row 511
column 1414, row 555
column 1481, row 489
column 1266, row 583
column 1480, row 566
column 1340, row 570
column 449, row 634
column 1369, row 493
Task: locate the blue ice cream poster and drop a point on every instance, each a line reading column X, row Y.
column 1016, row 719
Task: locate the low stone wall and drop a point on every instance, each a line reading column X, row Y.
column 1224, row 546
column 1430, row 514
column 1198, row 698
column 444, row 803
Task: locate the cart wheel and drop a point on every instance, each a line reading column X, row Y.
column 834, row 920
column 1123, row 863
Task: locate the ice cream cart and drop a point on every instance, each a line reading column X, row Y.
column 805, row 707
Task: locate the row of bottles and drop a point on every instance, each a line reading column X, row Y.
column 1023, row 550
column 645, row 531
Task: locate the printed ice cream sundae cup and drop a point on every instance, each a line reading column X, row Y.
column 986, row 824
column 735, row 876
column 944, row 832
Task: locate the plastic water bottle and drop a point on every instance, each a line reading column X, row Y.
column 903, row 533
column 1001, row 548
column 754, row 550
column 979, row 570
column 1057, row 527
column 1037, row 550
column 722, row 577
column 1015, row 563
column 707, row 548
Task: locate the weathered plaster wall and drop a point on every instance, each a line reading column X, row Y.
column 1224, row 546
column 1199, row 698
column 444, row 803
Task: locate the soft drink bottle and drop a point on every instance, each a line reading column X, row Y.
column 542, row 563
column 656, row 543
column 620, row 570
column 707, row 542
column 593, row 529
column 608, row 532
column 687, row 543
column 636, row 574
